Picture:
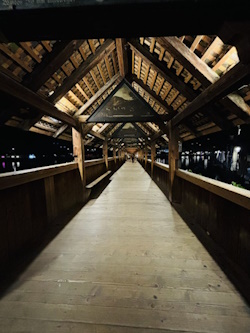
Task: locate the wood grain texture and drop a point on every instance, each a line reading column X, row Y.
column 125, row 263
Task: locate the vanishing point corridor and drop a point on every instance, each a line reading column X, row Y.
column 125, row 263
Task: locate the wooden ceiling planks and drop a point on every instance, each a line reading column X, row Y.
column 165, row 80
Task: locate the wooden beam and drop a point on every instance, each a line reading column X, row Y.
column 173, row 159
column 188, row 59
column 85, row 80
column 146, row 75
column 105, row 153
column 104, row 50
column 153, row 80
column 86, row 128
column 30, row 51
column 139, row 68
column 21, row 93
column 46, row 45
column 237, row 105
column 159, row 67
column 51, row 63
column 146, row 154
column 153, row 155
column 82, row 91
column 156, row 136
column 74, row 97
column 211, row 48
column 16, row 59
column 106, row 59
column 97, row 135
column 198, row 69
column 114, row 62
column 99, row 93
column 122, row 56
column 60, row 131
column 196, row 42
column 79, row 154
column 227, row 83
column 225, row 58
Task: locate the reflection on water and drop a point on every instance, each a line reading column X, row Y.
column 219, row 165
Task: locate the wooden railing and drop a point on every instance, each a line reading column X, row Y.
column 31, row 200
column 220, row 211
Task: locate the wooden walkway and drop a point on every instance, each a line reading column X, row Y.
column 126, row 263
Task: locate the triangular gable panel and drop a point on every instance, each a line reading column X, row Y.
column 123, row 105
column 129, row 131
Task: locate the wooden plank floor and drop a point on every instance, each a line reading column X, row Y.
column 126, row 263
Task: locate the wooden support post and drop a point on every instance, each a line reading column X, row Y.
column 114, row 153
column 78, row 150
column 146, row 154
column 105, row 153
column 50, row 196
column 173, row 159
column 153, row 153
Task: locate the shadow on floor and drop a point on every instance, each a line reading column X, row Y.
column 23, row 259
column 235, row 274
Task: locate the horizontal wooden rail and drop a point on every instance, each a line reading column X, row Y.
column 229, row 192
column 97, row 161
column 90, row 163
column 11, row 179
column 162, row 166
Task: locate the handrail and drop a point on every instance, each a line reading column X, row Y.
column 227, row 191
column 15, row 178
column 162, row 166
column 96, row 161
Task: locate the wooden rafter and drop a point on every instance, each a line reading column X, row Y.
column 167, row 74
column 86, row 81
column 227, row 83
column 211, row 48
column 199, row 69
column 122, row 56
column 21, row 93
column 104, row 50
column 188, row 59
column 98, row 94
column 79, row 88
column 51, row 63
column 225, row 58
column 196, row 42
column 106, row 59
column 30, row 51
column 16, row 59
column 114, row 62
column 47, row 46
column 97, row 135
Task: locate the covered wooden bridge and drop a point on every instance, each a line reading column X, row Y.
column 160, row 249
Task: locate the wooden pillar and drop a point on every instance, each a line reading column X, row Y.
column 153, row 154
column 114, row 153
column 173, row 159
column 79, row 154
column 105, row 153
column 146, row 154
